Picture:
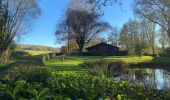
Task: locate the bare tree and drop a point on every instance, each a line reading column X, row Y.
column 157, row 11
column 101, row 3
column 149, row 29
column 64, row 34
column 163, row 39
column 15, row 16
column 114, row 36
column 132, row 38
column 85, row 25
column 124, row 37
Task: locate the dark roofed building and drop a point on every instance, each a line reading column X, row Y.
column 103, row 47
column 167, row 51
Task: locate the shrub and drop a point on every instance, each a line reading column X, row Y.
column 25, row 56
column 87, row 87
column 47, row 57
column 6, row 55
column 44, row 59
column 52, row 55
column 72, row 86
column 26, row 70
column 21, row 90
column 58, row 54
column 20, row 54
column 106, row 68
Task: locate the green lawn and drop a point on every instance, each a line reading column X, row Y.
column 1, row 65
column 69, row 64
column 72, row 63
column 33, row 52
column 161, row 59
column 131, row 59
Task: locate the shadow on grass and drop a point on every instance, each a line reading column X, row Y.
column 155, row 63
column 67, row 68
column 161, row 59
column 162, row 62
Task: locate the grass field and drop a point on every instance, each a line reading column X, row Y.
column 1, row 65
column 72, row 63
column 131, row 59
column 33, row 52
column 69, row 64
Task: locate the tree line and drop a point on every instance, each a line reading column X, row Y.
column 147, row 34
column 140, row 37
column 82, row 23
column 151, row 31
column 16, row 17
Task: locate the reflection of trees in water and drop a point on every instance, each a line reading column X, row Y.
column 154, row 77
column 136, row 75
column 141, row 74
column 166, row 78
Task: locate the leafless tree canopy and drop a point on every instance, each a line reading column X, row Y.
column 157, row 11
column 101, row 3
column 15, row 15
column 82, row 25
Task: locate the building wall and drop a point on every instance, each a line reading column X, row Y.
column 104, row 49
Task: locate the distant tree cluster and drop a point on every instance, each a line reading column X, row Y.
column 132, row 38
column 141, row 36
column 149, row 33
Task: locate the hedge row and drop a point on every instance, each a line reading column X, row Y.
column 24, row 70
column 46, row 57
column 27, row 67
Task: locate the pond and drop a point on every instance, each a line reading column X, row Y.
column 158, row 78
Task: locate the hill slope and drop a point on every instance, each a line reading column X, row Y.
column 36, row 48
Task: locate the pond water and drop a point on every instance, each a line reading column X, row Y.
column 158, row 78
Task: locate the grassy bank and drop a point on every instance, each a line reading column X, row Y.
column 2, row 65
column 68, row 64
column 33, row 52
column 72, row 63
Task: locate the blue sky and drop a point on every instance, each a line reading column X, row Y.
column 43, row 28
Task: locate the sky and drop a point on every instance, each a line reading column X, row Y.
column 44, row 27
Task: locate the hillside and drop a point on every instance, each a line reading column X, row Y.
column 36, row 48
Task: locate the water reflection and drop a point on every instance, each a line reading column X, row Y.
column 154, row 77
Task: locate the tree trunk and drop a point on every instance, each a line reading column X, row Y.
column 168, row 32
column 163, row 48
column 68, row 48
column 80, row 43
column 80, row 50
column 152, row 45
column 4, row 56
column 153, row 50
column 5, row 52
